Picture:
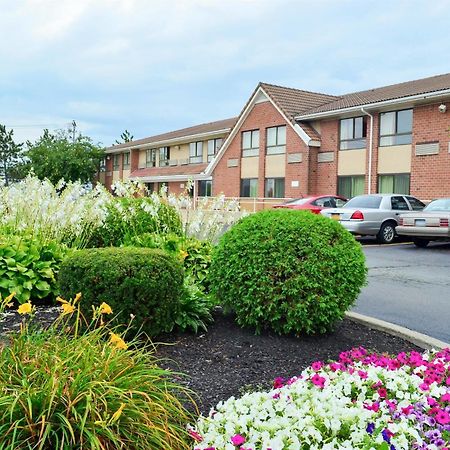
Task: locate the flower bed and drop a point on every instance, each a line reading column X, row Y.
column 363, row 400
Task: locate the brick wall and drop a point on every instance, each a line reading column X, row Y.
column 430, row 174
column 263, row 115
column 326, row 172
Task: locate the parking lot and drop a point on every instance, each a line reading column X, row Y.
column 408, row 286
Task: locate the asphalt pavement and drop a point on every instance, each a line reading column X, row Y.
column 408, row 286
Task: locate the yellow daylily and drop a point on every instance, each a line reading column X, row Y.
column 105, row 309
column 77, row 298
column 118, row 413
column 61, row 300
column 67, row 309
column 25, row 308
column 117, row 341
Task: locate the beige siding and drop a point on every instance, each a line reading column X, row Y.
column 249, row 167
column 352, row 162
column 126, row 174
column 316, row 125
column 142, row 159
column 275, row 166
column 115, row 176
column 394, row 159
column 102, row 177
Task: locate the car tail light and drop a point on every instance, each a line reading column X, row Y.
column 443, row 222
column 357, row 215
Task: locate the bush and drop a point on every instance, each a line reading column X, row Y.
column 128, row 217
column 28, row 267
column 146, row 283
column 59, row 391
column 290, row 271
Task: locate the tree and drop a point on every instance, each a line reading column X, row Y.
column 10, row 155
column 56, row 156
column 126, row 136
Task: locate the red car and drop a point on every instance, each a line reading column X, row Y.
column 315, row 204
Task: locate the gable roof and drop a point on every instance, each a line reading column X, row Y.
column 204, row 128
column 384, row 93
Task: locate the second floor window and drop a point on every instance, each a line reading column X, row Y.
column 213, row 147
column 164, row 156
column 126, row 160
column 116, row 162
column 396, row 127
column 353, row 133
column 150, row 157
column 250, row 143
column 196, row 152
column 276, row 140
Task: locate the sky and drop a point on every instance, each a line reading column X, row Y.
column 151, row 66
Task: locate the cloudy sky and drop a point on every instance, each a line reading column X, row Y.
column 151, row 66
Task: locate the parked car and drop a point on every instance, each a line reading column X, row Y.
column 315, row 204
column 374, row 215
column 431, row 224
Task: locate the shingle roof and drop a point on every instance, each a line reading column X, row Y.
column 391, row 92
column 295, row 101
column 189, row 169
column 184, row 132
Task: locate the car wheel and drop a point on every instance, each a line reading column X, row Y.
column 386, row 235
column 422, row 243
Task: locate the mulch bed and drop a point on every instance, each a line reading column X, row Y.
column 228, row 360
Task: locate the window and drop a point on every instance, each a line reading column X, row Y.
column 103, row 165
column 353, row 133
column 396, row 127
column 196, row 152
column 276, row 140
column 350, row 186
column 126, row 160
column 399, row 203
column 213, row 147
column 250, row 143
column 416, row 205
column 365, row 201
column 164, row 156
column 249, row 187
column 205, row 188
column 116, row 162
column 393, row 184
column 150, row 157
column 151, row 187
column 274, row 188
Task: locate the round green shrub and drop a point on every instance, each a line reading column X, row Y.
column 145, row 283
column 289, row 271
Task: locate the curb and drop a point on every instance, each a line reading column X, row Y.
column 419, row 339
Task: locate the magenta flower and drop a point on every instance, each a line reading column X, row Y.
column 237, row 440
column 442, row 417
column 318, row 381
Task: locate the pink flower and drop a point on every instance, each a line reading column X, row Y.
column 424, row 387
column 196, row 436
column 318, row 381
column 237, row 440
column 278, row 382
column 316, row 366
column 445, row 398
column 382, row 392
column 431, row 401
column 363, row 375
column 442, row 417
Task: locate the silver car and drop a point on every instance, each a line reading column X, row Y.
column 431, row 224
column 374, row 215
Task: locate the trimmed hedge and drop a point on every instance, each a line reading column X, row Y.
column 289, row 271
column 146, row 283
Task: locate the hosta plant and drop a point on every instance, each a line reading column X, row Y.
column 362, row 401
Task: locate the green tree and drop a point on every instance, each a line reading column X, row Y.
column 10, row 155
column 56, row 156
column 126, row 136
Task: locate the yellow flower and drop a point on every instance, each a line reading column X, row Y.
column 67, row 309
column 61, row 300
column 117, row 341
column 183, row 254
column 25, row 308
column 77, row 297
column 105, row 309
column 118, row 413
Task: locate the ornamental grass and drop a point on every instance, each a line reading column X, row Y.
column 90, row 390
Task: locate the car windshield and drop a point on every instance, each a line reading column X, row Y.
column 443, row 204
column 299, row 201
column 364, row 201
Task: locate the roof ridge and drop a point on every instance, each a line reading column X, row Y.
column 262, row 83
column 395, row 84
